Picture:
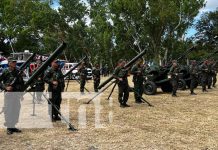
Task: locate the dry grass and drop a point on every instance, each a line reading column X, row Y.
column 186, row 122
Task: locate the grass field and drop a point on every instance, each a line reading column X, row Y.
column 186, row 122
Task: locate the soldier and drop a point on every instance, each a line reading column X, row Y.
column 55, row 80
column 193, row 76
column 39, row 84
column 214, row 74
column 174, row 77
column 96, row 77
column 210, row 73
column 138, row 78
column 204, row 75
column 123, row 87
column 83, row 76
column 12, row 82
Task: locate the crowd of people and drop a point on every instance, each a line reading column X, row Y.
column 205, row 73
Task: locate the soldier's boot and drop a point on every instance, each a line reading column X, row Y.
column 193, row 93
column 174, row 94
column 9, row 131
column 138, row 100
column 16, row 130
column 57, row 118
column 122, row 105
column 96, row 90
column 205, row 90
column 126, row 105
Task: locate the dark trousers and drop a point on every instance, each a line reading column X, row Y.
column 96, row 84
column 138, row 87
column 214, row 79
column 174, row 83
column 56, row 103
column 204, row 82
column 82, row 84
column 194, row 82
column 123, row 95
column 11, row 108
column 210, row 80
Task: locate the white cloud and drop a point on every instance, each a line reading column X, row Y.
column 211, row 5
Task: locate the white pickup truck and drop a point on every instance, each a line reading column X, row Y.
column 75, row 74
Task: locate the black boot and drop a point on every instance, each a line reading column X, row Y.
column 16, row 130
column 192, row 93
column 122, row 105
column 126, row 105
column 9, row 131
column 57, row 118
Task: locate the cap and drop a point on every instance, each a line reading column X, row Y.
column 56, row 61
column 11, row 59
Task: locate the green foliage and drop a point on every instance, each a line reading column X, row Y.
column 106, row 30
column 207, row 30
column 27, row 23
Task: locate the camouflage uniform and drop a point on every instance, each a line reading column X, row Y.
column 204, row 76
column 83, row 75
column 97, row 78
column 55, row 91
column 123, row 85
column 12, row 98
column 210, row 76
column 138, row 79
column 214, row 74
column 174, row 70
column 194, row 77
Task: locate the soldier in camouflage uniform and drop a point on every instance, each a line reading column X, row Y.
column 138, row 78
column 210, row 74
column 174, row 70
column 121, row 74
column 96, row 73
column 55, row 80
column 204, row 75
column 193, row 76
column 12, row 82
column 83, row 76
column 214, row 73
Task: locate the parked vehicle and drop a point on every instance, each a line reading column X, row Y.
column 75, row 75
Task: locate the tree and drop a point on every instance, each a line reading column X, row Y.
column 207, row 30
column 154, row 25
column 74, row 32
column 28, row 24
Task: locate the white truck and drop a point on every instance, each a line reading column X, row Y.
column 74, row 75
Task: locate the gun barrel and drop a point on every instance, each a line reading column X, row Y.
column 65, row 75
column 126, row 66
column 208, row 57
column 43, row 67
column 186, row 53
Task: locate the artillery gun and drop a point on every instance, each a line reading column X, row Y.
column 157, row 76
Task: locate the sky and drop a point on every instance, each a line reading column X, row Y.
column 211, row 5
